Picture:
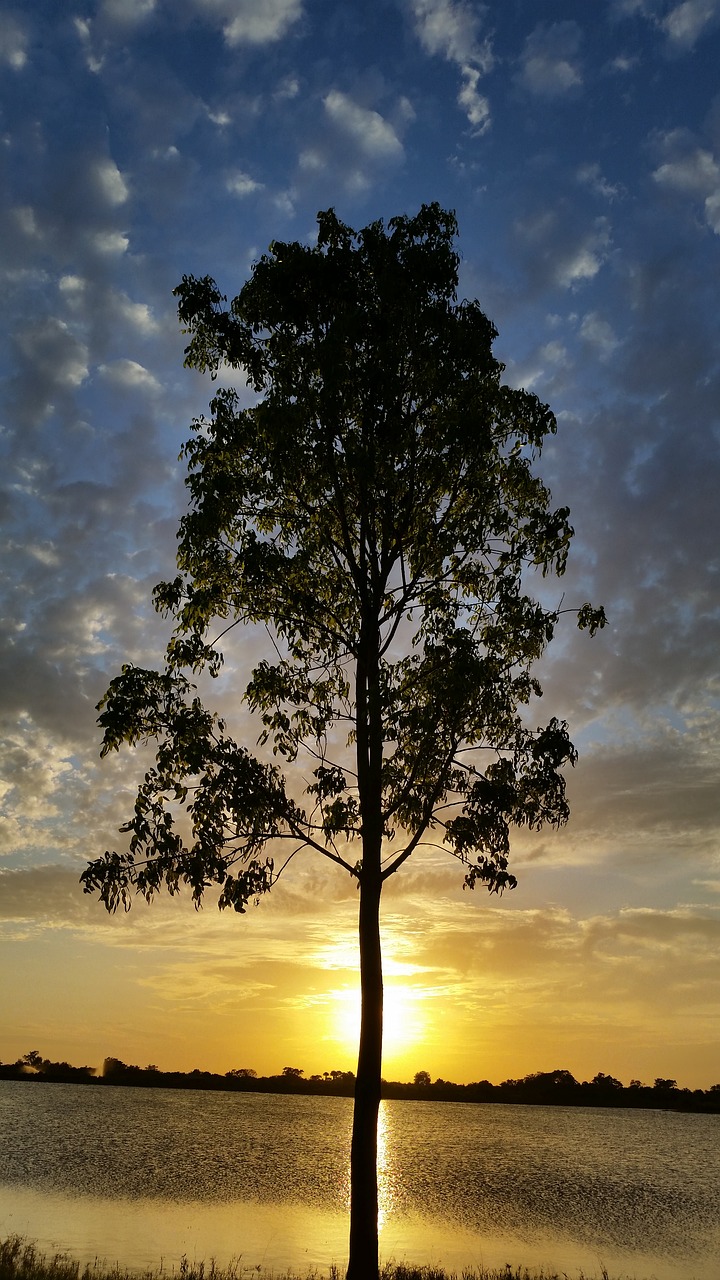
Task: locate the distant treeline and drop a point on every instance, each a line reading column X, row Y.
column 542, row 1088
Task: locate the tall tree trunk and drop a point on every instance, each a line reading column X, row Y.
column 363, row 1263
column 363, row 1260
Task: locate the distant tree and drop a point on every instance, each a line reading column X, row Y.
column 660, row 1083
column 422, row 1078
column 606, row 1082
column 558, row 1079
column 294, row 1073
column 33, row 1059
column 114, row 1067
column 377, row 511
column 242, row 1073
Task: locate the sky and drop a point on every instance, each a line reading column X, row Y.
column 579, row 145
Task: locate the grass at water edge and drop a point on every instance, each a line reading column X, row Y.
column 20, row 1259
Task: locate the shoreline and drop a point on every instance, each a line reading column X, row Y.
column 22, row 1259
column 535, row 1091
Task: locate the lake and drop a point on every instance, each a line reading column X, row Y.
column 143, row 1176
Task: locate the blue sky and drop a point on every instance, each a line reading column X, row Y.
column 580, row 146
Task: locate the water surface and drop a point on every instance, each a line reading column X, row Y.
column 143, row 1176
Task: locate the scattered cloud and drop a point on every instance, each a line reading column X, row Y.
column 682, row 24
column 108, row 243
column 241, row 184
column 692, row 170
column 550, row 65
column 354, row 143
column 599, row 335
column 474, row 104
column 13, row 41
column 251, row 22
column 451, row 29
column 111, row 182
column 128, row 375
column 560, row 250
column 687, row 21
column 590, row 175
column 127, row 13
column 372, row 134
column 55, row 354
column 140, row 143
column 138, row 315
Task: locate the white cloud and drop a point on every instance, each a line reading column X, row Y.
column 599, row 335
column 288, row 89
column 127, row 12
column 71, row 285
column 550, row 66
column 109, row 242
column 450, row 29
column 582, row 262
column 559, row 253
column 252, row 21
column 54, row 354
column 36, row 771
column 312, row 160
column 682, row 25
column 128, row 375
column 712, row 212
column 692, row 170
column 686, row 22
column 624, row 63
column 84, row 31
column 241, row 184
column 284, row 202
column 13, row 42
column 474, row 104
column 589, row 175
column 554, row 353
column 373, row 134
column 26, row 220
column 137, row 314
column 111, row 182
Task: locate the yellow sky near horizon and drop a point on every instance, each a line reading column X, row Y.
column 579, row 145
column 475, row 988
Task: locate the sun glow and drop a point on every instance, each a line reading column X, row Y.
column 404, row 1020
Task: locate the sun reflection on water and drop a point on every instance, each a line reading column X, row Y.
column 386, row 1180
column 386, row 1192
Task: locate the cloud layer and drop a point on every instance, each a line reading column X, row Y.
column 582, row 155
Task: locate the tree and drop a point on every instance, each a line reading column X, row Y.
column 422, row 1078
column 378, row 512
column 602, row 1081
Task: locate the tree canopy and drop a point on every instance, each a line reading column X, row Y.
column 377, row 505
column 377, row 509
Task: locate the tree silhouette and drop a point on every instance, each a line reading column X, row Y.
column 378, row 512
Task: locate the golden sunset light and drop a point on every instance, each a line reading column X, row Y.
column 359, row 634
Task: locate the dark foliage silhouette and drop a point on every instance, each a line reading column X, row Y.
column 376, row 510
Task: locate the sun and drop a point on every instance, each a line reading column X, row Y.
column 405, row 1022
